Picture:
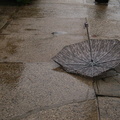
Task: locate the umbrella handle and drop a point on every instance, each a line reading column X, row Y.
column 86, row 26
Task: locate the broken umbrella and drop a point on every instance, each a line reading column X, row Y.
column 91, row 57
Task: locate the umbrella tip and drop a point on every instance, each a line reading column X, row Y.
column 86, row 24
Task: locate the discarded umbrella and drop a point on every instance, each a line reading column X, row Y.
column 91, row 57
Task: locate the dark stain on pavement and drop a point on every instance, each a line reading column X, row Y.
column 10, row 73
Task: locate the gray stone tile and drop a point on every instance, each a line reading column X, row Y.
column 109, row 108
column 77, row 111
column 31, row 40
column 3, row 21
column 7, row 10
column 61, row 1
column 5, row 13
column 109, row 86
column 104, row 12
column 46, row 26
column 104, row 29
column 53, row 10
column 111, row 2
column 25, row 87
column 34, row 48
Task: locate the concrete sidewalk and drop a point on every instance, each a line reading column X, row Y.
column 32, row 86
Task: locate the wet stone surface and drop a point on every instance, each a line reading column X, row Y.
column 52, row 10
column 5, row 14
column 77, row 111
column 31, row 40
column 26, row 87
column 30, row 26
column 111, row 2
column 7, row 10
column 109, row 108
column 104, row 12
column 62, row 1
column 108, row 29
column 3, row 21
column 108, row 84
column 40, row 91
column 34, row 48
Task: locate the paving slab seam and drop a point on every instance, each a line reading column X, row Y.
column 46, row 108
column 98, row 109
column 9, row 20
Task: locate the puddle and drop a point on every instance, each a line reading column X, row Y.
column 59, row 33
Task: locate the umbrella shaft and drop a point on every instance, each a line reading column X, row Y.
column 86, row 25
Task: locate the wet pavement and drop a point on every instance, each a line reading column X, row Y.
column 32, row 86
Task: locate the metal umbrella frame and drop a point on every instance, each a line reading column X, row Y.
column 91, row 57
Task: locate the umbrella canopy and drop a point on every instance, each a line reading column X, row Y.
column 90, row 57
column 76, row 58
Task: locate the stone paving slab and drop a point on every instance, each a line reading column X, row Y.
column 3, row 21
column 77, row 111
column 46, row 26
column 109, row 108
column 62, row 1
column 111, row 2
column 53, row 10
column 7, row 10
column 104, row 12
column 104, row 29
column 31, row 40
column 34, row 48
column 25, row 87
column 5, row 13
column 37, row 32
column 109, row 84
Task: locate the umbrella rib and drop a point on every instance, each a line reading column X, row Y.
column 106, row 53
column 82, row 67
column 108, row 61
column 80, row 59
column 75, row 64
column 77, row 58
